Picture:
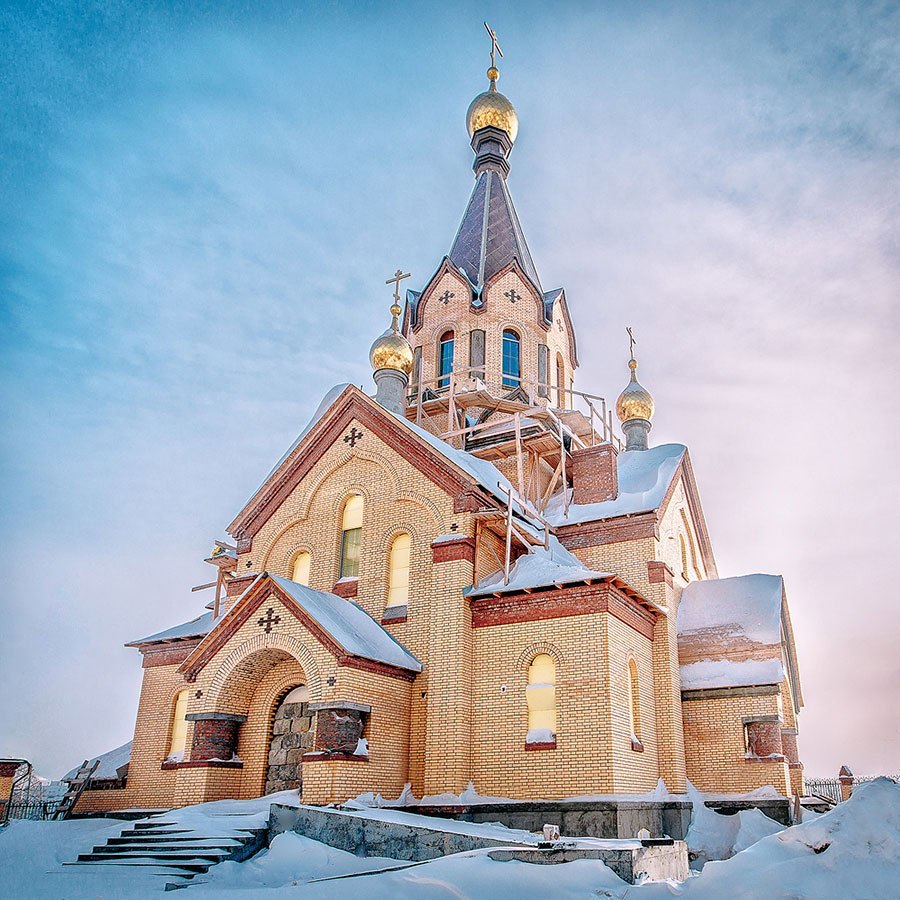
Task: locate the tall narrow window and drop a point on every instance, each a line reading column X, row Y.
column 684, row 557
column 560, row 382
column 351, row 535
column 445, row 359
column 634, row 706
column 398, row 572
column 179, row 726
column 300, row 569
column 512, row 360
column 541, row 697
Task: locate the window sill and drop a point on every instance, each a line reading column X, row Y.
column 541, row 745
column 774, row 757
column 637, row 746
column 394, row 615
column 346, row 587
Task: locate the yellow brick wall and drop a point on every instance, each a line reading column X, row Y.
column 632, row 771
column 581, row 762
column 715, row 745
column 499, row 313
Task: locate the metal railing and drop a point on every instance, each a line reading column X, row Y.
column 34, row 809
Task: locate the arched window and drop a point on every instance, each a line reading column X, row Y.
column 445, row 359
column 299, row 694
column 541, row 697
column 635, row 705
column 351, row 536
column 300, row 569
column 398, row 571
column 512, row 359
column 560, row 382
column 178, row 741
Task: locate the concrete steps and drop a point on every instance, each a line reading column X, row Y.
column 173, row 850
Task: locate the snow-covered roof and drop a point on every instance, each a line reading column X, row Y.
column 481, row 470
column 540, row 568
column 349, row 625
column 747, row 605
column 645, row 477
column 730, row 632
column 199, row 627
column 110, row 763
column 721, row 673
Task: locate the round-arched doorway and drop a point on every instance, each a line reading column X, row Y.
column 291, row 738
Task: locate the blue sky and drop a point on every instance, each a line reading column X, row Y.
column 199, row 204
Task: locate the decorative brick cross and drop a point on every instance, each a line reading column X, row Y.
column 198, row 695
column 445, row 297
column 352, row 437
column 268, row 620
column 512, row 295
column 331, row 680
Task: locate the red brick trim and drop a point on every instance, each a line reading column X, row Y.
column 204, row 764
column 377, row 668
column 541, row 745
column 334, row 757
column 8, row 769
column 247, row 605
column 461, row 548
column 346, row 589
column 560, row 603
column 608, row 531
column 351, row 405
column 659, row 573
column 166, row 654
column 395, row 620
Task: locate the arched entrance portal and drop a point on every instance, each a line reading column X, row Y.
column 291, row 738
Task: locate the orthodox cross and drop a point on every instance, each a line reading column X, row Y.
column 397, row 278
column 445, row 297
column 494, row 44
column 512, row 295
column 352, row 437
column 631, row 340
column 269, row 620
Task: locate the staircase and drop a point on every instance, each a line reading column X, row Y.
column 172, row 848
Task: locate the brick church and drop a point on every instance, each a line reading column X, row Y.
column 470, row 577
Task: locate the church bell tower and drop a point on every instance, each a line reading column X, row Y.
column 484, row 320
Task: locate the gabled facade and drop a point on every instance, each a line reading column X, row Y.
column 469, row 577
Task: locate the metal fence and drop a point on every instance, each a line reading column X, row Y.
column 830, row 788
column 35, row 810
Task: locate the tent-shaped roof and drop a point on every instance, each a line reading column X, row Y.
column 490, row 235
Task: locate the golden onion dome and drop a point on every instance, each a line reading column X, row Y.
column 391, row 350
column 635, row 401
column 492, row 108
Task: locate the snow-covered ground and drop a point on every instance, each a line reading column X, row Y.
column 851, row 853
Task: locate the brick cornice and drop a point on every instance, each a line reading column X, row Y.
column 462, row 548
column 659, row 573
column 351, row 405
column 167, row 654
column 203, row 764
column 560, row 603
column 608, row 531
column 252, row 600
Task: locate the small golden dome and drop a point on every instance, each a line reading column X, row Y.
column 635, row 401
column 391, row 351
column 492, row 108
